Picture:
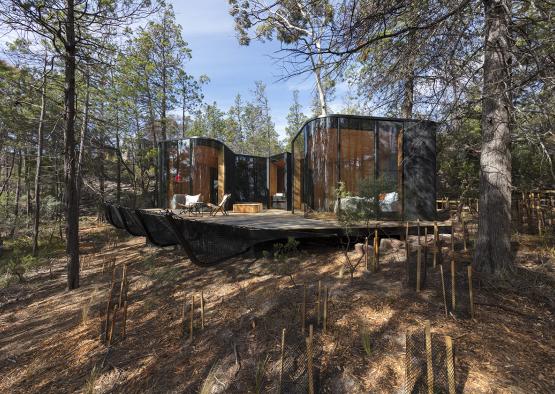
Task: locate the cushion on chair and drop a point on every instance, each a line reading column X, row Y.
column 192, row 199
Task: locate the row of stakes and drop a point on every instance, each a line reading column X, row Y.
column 112, row 309
column 188, row 324
column 436, row 249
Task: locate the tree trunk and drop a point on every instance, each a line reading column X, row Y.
column 118, row 168
column 493, row 249
column 71, row 196
column 27, row 167
column 83, row 137
column 17, row 194
column 36, row 222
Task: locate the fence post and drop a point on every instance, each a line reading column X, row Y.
column 453, row 284
column 450, row 364
column 470, row 293
column 366, row 252
column 303, row 310
column 309, row 362
column 326, row 295
column 202, row 309
column 376, row 250
column 429, row 358
column 109, row 304
column 281, row 360
column 192, row 317
column 436, row 243
column 319, row 297
column 407, row 241
column 418, row 267
column 443, row 289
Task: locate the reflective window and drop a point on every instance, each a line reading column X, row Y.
column 357, row 154
column 321, row 164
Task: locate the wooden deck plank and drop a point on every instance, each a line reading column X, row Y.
column 274, row 219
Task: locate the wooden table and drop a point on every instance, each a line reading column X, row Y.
column 247, row 207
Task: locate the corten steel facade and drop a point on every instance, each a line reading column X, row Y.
column 395, row 158
column 208, row 167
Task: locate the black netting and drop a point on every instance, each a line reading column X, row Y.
column 212, row 242
column 205, row 242
column 460, row 305
column 113, row 216
column 411, row 266
column 295, row 366
column 132, row 222
column 158, row 231
column 416, row 364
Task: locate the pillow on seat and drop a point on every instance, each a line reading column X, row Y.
column 192, row 199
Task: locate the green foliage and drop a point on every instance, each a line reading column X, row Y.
column 283, row 251
column 18, row 258
column 284, row 257
column 260, row 373
column 295, row 119
column 366, row 342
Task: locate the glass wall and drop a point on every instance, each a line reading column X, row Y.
column 365, row 154
column 191, row 166
column 280, row 181
column 250, row 179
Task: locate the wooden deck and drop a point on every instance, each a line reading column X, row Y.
column 284, row 221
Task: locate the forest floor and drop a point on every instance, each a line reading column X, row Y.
column 51, row 339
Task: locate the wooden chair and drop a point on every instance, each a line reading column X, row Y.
column 214, row 209
column 190, row 204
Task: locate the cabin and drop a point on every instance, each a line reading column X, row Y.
column 389, row 162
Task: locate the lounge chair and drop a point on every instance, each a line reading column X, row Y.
column 191, row 203
column 214, row 209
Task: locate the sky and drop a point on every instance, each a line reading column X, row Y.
column 209, row 30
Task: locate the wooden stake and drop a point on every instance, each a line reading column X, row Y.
column 309, row 364
column 109, row 304
column 452, row 237
column 418, row 230
column 366, row 252
column 376, row 261
column 202, row 309
column 407, row 242
column 281, row 359
column 464, row 234
column 326, row 295
column 453, row 284
column 124, row 323
column 436, row 243
column 450, row 364
column 303, row 310
column 192, row 317
column 184, row 319
column 112, row 324
column 429, row 358
column 443, row 289
column 320, row 295
column 425, row 246
column 418, row 267
column 470, row 293
column 122, row 284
